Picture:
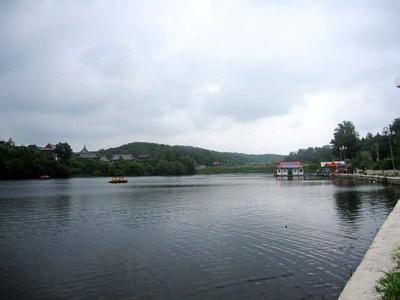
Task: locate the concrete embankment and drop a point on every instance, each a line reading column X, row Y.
column 371, row 178
column 377, row 259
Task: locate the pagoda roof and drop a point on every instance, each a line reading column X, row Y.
column 48, row 147
column 84, row 150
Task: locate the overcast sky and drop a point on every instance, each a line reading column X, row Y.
column 244, row 76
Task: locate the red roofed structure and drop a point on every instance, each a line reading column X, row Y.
column 50, row 149
column 289, row 168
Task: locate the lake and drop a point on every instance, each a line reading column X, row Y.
column 196, row 237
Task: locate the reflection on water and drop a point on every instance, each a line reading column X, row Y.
column 348, row 205
column 350, row 197
column 242, row 236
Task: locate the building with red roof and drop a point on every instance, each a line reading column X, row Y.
column 289, row 168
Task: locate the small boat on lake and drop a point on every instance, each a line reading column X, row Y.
column 118, row 179
column 44, row 177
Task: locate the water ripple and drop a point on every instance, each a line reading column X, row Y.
column 185, row 237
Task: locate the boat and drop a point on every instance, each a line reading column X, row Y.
column 44, row 177
column 118, row 179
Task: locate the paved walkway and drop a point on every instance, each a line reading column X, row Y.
column 377, row 259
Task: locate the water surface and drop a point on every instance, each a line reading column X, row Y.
column 236, row 237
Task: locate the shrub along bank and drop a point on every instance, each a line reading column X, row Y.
column 389, row 285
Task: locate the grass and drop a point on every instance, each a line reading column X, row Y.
column 388, row 286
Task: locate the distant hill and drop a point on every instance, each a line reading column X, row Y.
column 200, row 155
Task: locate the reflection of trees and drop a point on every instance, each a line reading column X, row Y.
column 391, row 195
column 348, row 204
column 343, row 182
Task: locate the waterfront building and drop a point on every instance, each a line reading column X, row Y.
column 216, row 164
column 289, row 168
column 329, row 167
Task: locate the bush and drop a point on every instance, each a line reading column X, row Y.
column 389, row 285
column 97, row 173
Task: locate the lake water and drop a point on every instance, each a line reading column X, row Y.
column 198, row 237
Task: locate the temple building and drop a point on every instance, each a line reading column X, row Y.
column 86, row 154
column 51, row 149
column 128, row 157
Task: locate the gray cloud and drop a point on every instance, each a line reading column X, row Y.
column 165, row 71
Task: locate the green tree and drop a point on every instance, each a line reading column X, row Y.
column 164, row 167
column 189, row 165
column 345, row 135
column 395, row 129
column 312, row 155
column 63, row 151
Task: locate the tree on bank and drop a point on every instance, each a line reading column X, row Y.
column 395, row 129
column 370, row 152
column 17, row 162
column 63, row 151
column 345, row 135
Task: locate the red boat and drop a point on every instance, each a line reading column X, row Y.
column 118, row 179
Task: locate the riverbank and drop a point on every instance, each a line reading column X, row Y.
column 377, row 260
column 372, row 178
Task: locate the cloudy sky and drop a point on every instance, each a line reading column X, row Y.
column 244, row 76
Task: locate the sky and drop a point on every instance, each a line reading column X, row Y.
column 239, row 76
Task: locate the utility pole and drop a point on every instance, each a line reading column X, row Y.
column 387, row 132
column 377, row 151
column 343, row 148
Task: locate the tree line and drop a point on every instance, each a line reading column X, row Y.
column 199, row 155
column 369, row 152
column 17, row 162
column 23, row 162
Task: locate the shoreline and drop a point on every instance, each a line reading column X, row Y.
column 376, row 261
column 371, row 178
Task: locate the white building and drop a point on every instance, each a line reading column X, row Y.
column 289, row 168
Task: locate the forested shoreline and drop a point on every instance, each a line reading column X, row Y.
column 24, row 162
column 379, row 151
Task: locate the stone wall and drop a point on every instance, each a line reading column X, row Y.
column 377, row 259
